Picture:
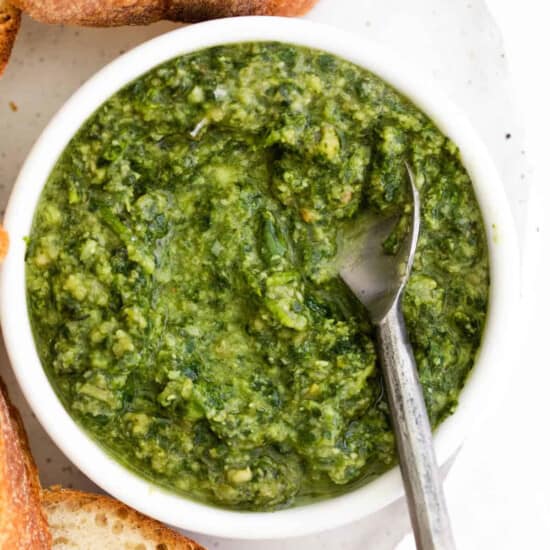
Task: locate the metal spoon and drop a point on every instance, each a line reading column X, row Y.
column 378, row 280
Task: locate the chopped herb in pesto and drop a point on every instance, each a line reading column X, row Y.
column 179, row 273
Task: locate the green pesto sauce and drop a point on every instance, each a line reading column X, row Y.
column 179, row 273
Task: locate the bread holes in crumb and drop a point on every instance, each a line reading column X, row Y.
column 101, row 519
column 117, row 527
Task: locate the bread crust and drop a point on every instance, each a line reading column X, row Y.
column 23, row 525
column 10, row 20
column 112, row 13
column 149, row 529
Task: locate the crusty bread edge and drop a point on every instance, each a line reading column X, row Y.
column 149, row 528
column 10, row 21
column 29, row 494
column 114, row 13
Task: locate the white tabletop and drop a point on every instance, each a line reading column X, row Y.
column 498, row 495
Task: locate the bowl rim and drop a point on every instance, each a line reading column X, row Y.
column 492, row 367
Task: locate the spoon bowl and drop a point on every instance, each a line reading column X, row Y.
column 374, row 276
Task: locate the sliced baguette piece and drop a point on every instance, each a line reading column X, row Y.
column 86, row 521
column 23, row 525
column 112, row 13
column 10, row 20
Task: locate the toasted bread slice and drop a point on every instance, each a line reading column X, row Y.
column 10, row 19
column 23, row 525
column 85, row 521
column 112, row 13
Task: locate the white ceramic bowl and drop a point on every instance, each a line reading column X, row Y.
column 83, row 451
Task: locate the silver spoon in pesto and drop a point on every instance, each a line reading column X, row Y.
column 378, row 279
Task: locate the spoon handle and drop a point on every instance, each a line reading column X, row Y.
column 421, row 477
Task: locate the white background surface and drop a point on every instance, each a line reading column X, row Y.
column 498, row 488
